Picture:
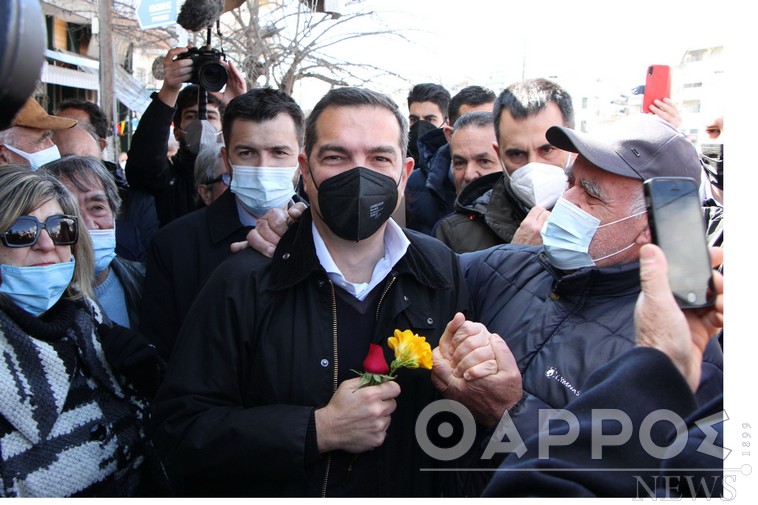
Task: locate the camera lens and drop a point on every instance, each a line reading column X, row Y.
column 212, row 76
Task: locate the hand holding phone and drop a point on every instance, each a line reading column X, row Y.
column 676, row 221
column 657, row 85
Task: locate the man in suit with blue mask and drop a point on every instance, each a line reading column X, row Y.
column 263, row 133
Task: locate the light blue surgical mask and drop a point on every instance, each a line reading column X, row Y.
column 104, row 243
column 35, row 289
column 567, row 233
column 259, row 189
column 39, row 158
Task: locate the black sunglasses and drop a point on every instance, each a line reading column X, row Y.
column 63, row 230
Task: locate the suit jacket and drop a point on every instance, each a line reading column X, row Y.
column 181, row 256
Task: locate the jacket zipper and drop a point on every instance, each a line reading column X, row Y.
column 335, row 377
column 384, row 293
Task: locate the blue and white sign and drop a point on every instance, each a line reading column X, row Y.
column 156, row 13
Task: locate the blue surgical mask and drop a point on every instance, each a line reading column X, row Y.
column 259, row 189
column 567, row 233
column 39, row 158
column 36, row 289
column 104, row 244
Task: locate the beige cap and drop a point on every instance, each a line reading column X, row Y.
column 32, row 115
column 232, row 4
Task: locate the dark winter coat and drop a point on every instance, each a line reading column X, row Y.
column 258, row 354
column 637, row 383
column 561, row 327
column 473, row 228
column 181, row 257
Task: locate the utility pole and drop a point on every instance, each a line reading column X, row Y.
column 107, row 71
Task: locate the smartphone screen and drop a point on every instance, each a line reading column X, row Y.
column 678, row 227
column 657, row 85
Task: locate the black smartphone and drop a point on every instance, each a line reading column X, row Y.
column 675, row 215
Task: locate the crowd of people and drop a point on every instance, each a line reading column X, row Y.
column 192, row 324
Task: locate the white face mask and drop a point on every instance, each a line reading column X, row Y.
column 539, row 184
column 39, row 158
column 259, row 189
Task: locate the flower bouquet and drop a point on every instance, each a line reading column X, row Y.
column 411, row 351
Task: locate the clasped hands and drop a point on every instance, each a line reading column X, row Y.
column 476, row 368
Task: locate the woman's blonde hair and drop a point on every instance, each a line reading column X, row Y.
column 22, row 191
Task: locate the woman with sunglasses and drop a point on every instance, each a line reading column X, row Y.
column 69, row 425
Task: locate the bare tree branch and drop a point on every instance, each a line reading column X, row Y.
column 287, row 43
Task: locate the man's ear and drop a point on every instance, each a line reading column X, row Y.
column 4, row 155
column 448, row 131
column 227, row 163
column 645, row 237
column 204, row 194
column 305, row 171
column 102, row 143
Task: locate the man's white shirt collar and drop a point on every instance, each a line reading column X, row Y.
column 395, row 246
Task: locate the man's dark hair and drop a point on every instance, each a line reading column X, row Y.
column 98, row 122
column 480, row 118
column 263, row 104
column 430, row 92
column 354, row 97
column 188, row 97
column 527, row 98
column 471, row 96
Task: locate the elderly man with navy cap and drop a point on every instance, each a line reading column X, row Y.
column 566, row 308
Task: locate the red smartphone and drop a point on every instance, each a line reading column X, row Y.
column 657, row 85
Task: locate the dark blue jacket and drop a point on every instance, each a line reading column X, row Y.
column 561, row 327
column 430, row 192
column 638, row 382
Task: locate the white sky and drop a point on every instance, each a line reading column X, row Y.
column 494, row 43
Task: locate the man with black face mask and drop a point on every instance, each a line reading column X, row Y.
column 261, row 397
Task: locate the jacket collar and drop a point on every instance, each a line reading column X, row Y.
column 611, row 280
column 295, row 259
column 504, row 212
column 473, row 191
column 223, row 217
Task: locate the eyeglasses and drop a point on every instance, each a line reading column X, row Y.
column 221, row 178
column 63, row 230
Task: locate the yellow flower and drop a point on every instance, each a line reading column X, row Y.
column 411, row 351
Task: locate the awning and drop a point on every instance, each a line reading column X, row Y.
column 129, row 91
column 69, row 77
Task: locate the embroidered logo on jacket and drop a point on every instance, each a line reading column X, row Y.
column 552, row 373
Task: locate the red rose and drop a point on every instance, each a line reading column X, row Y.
column 375, row 362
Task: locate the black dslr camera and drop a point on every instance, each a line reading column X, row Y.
column 206, row 69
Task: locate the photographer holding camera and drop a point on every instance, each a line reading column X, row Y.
column 148, row 168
